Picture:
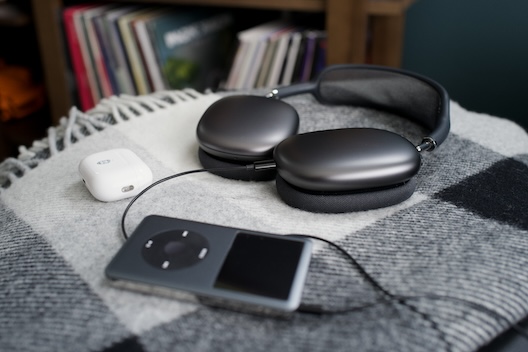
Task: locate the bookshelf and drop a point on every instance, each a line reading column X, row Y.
column 347, row 23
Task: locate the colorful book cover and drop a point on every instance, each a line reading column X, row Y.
column 307, row 63
column 267, row 62
column 146, row 49
column 299, row 60
column 192, row 47
column 234, row 72
column 103, row 39
column 289, row 66
column 133, row 54
column 86, row 55
column 101, row 71
column 267, row 39
column 320, row 55
column 283, row 39
column 86, row 100
column 257, row 40
column 121, row 70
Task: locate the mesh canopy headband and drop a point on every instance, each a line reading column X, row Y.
column 408, row 94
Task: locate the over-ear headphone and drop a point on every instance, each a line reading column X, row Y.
column 329, row 171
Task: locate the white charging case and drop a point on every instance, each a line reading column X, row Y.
column 114, row 174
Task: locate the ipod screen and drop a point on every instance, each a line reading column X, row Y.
column 260, row 265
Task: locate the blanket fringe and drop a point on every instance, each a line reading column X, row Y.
column 78, row 125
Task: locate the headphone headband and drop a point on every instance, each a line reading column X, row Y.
column 421, row 99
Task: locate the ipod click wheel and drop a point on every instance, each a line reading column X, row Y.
column 214, row 262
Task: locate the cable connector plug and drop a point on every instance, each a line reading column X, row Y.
column 262, row 165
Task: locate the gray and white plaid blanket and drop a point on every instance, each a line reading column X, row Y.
column 453, row 257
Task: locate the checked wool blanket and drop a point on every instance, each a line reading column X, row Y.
column 451, row 260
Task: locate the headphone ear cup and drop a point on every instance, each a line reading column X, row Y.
column 245, row 128
column 209, row 161
column 343, row 202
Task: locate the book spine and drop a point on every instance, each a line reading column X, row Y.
column 278, row 60
column 133, row 55
column 308, row 59
column 86, row 100
column 86, row 56
column 293, row 50
column 149, row 57
column 276, row 53
column 106, row 53
column 123, row 72
column 100, row 66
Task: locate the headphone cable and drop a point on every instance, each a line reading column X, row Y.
column 388, row 297
column 403, row 300
column 152, row 185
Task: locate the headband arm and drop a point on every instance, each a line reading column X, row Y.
column 442, row 123
column 295, row 89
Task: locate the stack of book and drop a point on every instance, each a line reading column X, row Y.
column 274, row 54
column 116, row 49
column 135, row 49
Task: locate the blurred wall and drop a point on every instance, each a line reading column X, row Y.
column 477, row 49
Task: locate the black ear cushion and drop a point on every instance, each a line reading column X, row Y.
column 343, row 202
column 209, row 161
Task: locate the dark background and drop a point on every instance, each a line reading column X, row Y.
column 477, row 49
column 19, row 48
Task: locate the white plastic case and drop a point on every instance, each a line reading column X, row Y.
column 114, row 174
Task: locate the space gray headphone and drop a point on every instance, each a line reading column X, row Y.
column 328, row 171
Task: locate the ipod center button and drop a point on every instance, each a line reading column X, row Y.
column 174, row 248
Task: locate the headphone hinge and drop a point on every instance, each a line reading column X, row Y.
column 273, row 94
column 428, row 144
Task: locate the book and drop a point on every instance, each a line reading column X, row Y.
column 307, row 62
column 255, row 61
column 137, row 68
column 320, row 55
column 146, row 49
column 82, row 84
column 296, row 77
column 86, row 54
column 252, row 45
column 291, row 58
column 265, row 66
column 121, row 70
column 237, row 61
column 108, row 58
column 101, row 72
column 283, row 39
column 259, row 39
column 276, row 53
column 192, row 47
column 311, row 53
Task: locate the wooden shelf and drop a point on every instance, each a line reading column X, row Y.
column 299, row 5
column 347, row 23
